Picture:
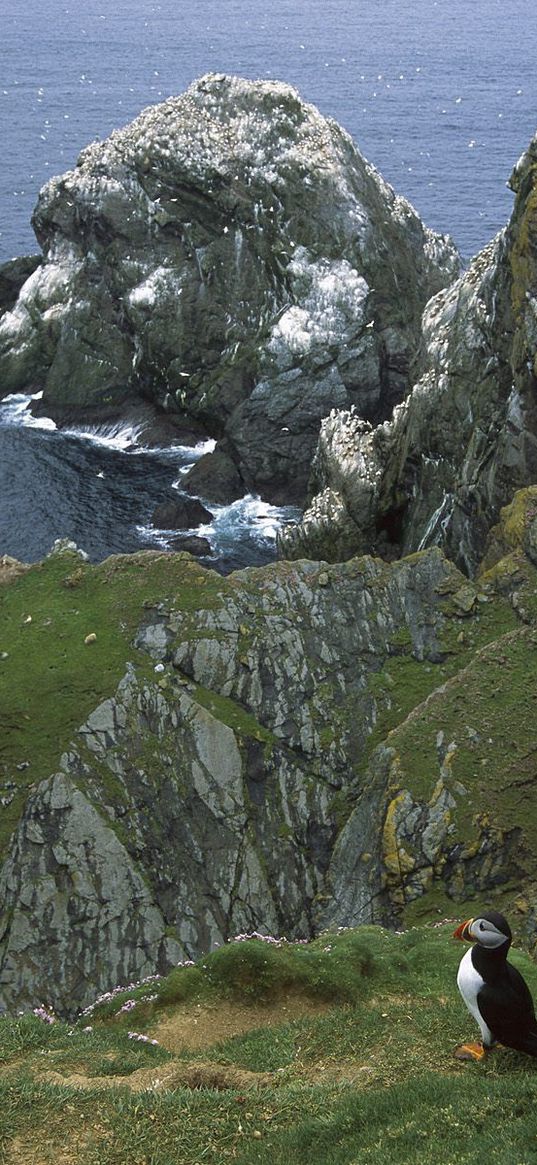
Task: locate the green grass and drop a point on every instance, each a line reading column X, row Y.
column 413, row 1123
column 343, row 967
column 365, row 1081
column 51, row 679
column 487, row 713
column 105, row 1051
column 405, row 682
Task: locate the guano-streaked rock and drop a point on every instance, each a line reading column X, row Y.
column 464, row 439
column 231, row 257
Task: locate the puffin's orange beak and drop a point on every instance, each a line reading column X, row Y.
column 462, row 931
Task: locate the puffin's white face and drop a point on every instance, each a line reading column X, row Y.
column 481, row 931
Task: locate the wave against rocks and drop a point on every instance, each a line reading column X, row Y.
column 231, row 257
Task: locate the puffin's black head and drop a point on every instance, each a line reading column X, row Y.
column 490, row 930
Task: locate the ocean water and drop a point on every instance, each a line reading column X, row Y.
column 438, row 94
column 96, row 486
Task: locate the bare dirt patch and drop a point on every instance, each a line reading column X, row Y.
column 40, row 1149
column 193, row 1028
column 203, row 1025
column 175, row 1074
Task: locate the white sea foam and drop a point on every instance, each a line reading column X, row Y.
column 248, row 522
column 150, row 534
column 15, row 411
column 119, row 435
column 239, row 534
column 248, row 513
column 126, row 436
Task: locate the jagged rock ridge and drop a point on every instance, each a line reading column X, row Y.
column 439, row 472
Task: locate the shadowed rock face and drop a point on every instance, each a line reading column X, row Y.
column 69, row 878
column 12, row 276
column 464, row 439
column 232, row 257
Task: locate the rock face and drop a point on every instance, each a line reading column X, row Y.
column 213, row 788
column 292, row 747
column 232, row 257
column 464, row 439
column 180, row 513
column 12, row 276
column 69, row 887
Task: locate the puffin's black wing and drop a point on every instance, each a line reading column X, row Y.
column 507, row 1008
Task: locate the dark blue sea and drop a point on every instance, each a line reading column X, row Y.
column 438, row 94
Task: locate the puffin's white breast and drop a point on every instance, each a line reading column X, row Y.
column 469, row 982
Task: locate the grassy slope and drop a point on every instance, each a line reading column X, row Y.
column 51, row 679
column 372, row 1078
column 484, row 712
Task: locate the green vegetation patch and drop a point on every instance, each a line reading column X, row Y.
column 455, row 1120
column 232, row 713
column 487, row 713
column 51, row 676
column 405, row 682
column 64, row 1047
column 346, row 966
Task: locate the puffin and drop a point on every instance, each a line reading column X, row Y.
column 493, row 990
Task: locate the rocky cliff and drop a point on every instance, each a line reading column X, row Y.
column 309, row 744
column 292, row 747
column 231, row 257
column 464, row 439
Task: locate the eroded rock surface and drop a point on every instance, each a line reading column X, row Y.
column 210, row 789
column 464, row 439
column 77, row 912
column 232, row 257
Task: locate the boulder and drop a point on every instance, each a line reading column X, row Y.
column 199, row 547
column 216, row 477
column 180, row 513
column 233, row 258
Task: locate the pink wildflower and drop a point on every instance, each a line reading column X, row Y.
column 127, row 1006
column 141, row 1038
column 43, row 1013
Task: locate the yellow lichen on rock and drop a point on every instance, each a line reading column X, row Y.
column 396, row 859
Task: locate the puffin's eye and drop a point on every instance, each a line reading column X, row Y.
column 481, row 925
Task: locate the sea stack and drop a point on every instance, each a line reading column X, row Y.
column 231, row 257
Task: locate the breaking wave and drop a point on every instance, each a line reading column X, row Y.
column 99, row 485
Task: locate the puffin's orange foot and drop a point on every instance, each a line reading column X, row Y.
column 470, row 1052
